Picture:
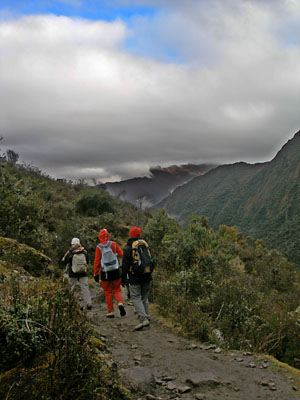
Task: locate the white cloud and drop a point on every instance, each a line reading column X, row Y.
column 293, row 7
column 74, row 100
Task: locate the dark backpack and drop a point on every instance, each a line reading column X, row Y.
column 142, row 262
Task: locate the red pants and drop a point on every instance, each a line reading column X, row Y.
column 112, row 288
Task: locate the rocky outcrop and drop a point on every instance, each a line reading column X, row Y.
column 20, row 257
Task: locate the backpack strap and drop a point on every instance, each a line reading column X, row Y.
column 104, row 246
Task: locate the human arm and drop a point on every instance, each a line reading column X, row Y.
column 66, row 257
column 97, row 264
column 117, row 249
column 126, row 263
column 87, row 256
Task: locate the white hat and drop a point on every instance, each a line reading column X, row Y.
column 75, row 241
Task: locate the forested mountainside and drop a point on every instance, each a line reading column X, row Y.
column 147, row 191
column 261, row 200
column 239, row 295
column 48, row 349
column 45, row 214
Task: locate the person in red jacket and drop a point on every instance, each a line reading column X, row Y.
column 106, row 262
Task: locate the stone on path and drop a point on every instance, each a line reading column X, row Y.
column 140, row 378
column 170, row 386
column 203, row 379
column 183, row 389
column 200, row 396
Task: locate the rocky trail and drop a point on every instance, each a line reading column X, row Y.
column 157, row 364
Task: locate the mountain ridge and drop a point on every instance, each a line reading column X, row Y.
column 259, row 199
column 145, row 192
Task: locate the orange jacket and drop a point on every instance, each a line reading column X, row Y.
column 104, row 238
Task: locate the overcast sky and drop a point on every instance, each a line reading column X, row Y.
column 105, row 89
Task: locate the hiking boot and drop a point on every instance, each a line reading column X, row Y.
column 110, row 315
column 145, row 323
column 89, row 307
column 138, row 327
column 141, row 325
column 122, row 309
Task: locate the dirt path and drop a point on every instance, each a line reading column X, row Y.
column 156, row 364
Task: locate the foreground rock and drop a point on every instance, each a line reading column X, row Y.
column 20, row 257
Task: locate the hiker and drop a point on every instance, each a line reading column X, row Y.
column 139, row 281
column 106, row 262
column 77, row 260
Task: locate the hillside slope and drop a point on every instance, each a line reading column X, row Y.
column 261, row 199
column 45, row 214
column 228, row 283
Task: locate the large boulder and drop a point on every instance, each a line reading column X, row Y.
column 15, row 255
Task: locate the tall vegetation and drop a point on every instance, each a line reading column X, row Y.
column 229, row 284
column 43, row 331
column 238, row 293
column 46, row 214
column 48, row 349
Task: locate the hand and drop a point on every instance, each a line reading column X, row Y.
column 96, row 278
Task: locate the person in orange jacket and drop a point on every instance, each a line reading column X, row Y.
column 106, row 262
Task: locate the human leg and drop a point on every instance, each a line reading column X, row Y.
column 116, row 287
column 145, row 290
column 108, row 292
column 117, row 292
column 72, row 283
column 136, row 296
column 84, row 285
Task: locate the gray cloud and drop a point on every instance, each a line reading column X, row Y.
column 77, row 102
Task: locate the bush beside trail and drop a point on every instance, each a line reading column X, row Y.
column 48, row 349
column 229, row 284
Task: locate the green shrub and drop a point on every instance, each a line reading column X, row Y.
column 94, row 204
column 206, row 281
column 46, row 348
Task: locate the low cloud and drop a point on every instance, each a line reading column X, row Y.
column 203, row 83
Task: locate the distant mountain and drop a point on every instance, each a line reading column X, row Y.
column 261, row 200
column 147, row 191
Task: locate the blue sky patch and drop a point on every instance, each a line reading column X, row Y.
column 92, row 9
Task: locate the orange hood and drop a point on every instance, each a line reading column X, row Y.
column 103, row 236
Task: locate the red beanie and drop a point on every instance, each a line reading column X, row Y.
column 135, row 232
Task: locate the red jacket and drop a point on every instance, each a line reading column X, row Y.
column 104, row 238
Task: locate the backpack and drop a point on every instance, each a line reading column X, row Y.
column 142, row 262
column 109, row 260
column 79, row 264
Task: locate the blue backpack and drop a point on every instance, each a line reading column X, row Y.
column 109, row 260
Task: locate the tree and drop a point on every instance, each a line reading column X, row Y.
column 93, row 205
column 12, row 156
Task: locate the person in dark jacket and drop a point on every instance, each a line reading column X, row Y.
column 139, row 285
column 81, row 277
column 106, row 263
